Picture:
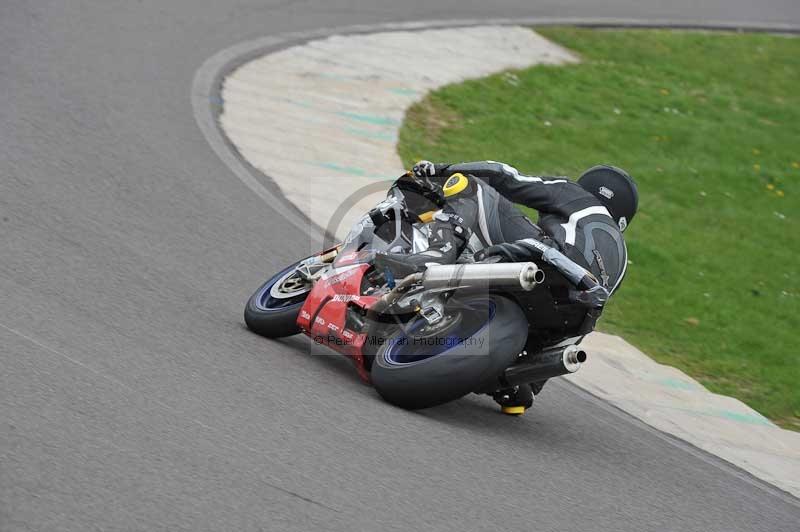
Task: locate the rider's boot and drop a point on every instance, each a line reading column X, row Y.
column 514, row 401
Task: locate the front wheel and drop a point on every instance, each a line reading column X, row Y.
column 272, row 310
column 422, row 366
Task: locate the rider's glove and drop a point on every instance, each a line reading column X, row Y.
column 519, row 251
column 424, row 169
column 507, row 252
column 593, row 298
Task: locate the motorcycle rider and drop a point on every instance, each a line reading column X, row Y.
column 579, row 230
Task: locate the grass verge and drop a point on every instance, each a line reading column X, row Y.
column 709, row 125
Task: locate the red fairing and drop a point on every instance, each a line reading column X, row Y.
column 327, row 304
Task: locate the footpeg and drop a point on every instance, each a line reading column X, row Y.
column 514, row 401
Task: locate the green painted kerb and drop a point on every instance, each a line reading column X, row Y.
column 376, row 120
column 375, row 135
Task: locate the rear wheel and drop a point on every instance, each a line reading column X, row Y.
column 272, row 310
column 422, row 366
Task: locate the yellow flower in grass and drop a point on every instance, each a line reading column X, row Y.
column 795, row 165
column 757, row 167
column 770, row 186
column 756, row 151
column 780, row 193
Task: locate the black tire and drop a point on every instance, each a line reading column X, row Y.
column 496, row 330
column 270, row 317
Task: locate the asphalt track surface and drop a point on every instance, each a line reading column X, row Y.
column 132, row 397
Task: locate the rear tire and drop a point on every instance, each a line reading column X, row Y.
column 415, row 371
column 273, row 317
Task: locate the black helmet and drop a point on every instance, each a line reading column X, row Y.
column 615, row 189
column 421, row 194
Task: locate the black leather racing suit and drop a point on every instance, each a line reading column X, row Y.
column 571, row 220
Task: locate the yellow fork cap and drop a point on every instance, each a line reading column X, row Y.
column 513, row 410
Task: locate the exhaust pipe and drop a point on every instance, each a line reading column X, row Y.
column 547, row 364
column 524, row 275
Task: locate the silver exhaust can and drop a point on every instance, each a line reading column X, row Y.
column 520, row 275
column 549, row 363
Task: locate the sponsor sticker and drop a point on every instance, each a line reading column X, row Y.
column 347, row 257
column 606, row 192
column 344, row 298
column 336, row 279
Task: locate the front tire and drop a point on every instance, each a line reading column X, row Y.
column 413, row 370
column 276, row 317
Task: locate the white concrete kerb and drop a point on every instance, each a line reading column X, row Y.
column 328, row 124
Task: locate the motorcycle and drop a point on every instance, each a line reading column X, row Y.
column 429, row 337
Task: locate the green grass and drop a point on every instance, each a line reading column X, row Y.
column 709, row 125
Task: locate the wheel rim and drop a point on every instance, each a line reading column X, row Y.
column 416, row 345
column 276, row 294
column 289, row 286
